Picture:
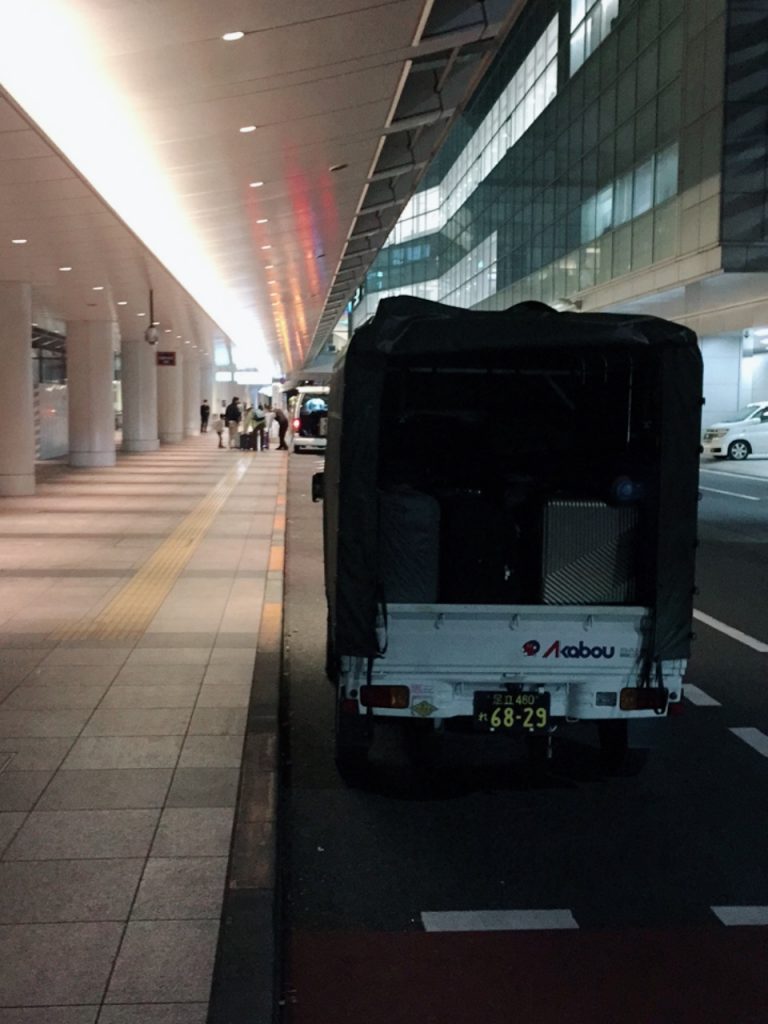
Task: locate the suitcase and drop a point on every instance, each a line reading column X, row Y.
column 246, row 442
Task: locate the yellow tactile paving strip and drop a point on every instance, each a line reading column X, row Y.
column 131, row 611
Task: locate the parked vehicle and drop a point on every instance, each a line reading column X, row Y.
column 309, row 418
column 509, row 521
column 739, row 436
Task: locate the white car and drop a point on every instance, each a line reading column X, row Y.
column 745, row 433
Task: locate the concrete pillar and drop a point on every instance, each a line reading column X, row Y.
column 170, row 396
column 139, row 382
column 17, row 438
column 192, row 398
column 90, row 372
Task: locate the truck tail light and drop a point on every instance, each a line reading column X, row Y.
column 385, row 696
column 643, row 698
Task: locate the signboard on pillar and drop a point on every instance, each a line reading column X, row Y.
column 166, row 358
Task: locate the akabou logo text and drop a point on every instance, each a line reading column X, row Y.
column 580, row 650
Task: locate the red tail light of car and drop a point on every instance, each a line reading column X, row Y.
column 295, row 424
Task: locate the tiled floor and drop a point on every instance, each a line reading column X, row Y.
column 120, row 748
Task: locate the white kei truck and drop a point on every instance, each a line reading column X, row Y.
column 509, row 521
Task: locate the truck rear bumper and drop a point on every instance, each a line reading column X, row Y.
column 438, row 657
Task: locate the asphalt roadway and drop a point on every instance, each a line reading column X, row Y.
column 640, row 898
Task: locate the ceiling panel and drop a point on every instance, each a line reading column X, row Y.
column 149, row 92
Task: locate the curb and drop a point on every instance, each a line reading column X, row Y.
column 245, row 971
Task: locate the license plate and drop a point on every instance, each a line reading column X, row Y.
column 511, row 712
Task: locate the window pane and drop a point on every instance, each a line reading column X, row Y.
column 588, row 211
column 666, row 174
column 622, row 211
column 610, row 11
column 593, row 36
column 643, row 199
column 577, row 12
column 577, row 49
column 604, row 210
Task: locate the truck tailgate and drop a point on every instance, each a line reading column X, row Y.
column 510, row 642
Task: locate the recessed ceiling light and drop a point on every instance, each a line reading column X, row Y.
column 98, row 288
column 248, row 128
column 186, row 342
column 64, row 269
column 256, row 184
column 269, row 266
column 167, row 330
column 272, row 282
column 122, row 302
column 338, row 167
column 141, row 314
column 266, row 247
column 232, row 37
column 262, row 220
column 18, row 241
column 178, row 337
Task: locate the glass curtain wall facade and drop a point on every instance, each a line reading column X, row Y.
column 745, row 144
column 566, row 171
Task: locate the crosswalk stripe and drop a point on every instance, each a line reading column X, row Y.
column 497, row 920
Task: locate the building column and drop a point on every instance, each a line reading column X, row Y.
column 170, row 396
column 139, row 382
column 17, row 438
column 90, row 373
column 192, row 399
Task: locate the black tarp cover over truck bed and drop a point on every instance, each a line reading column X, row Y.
column 410, row 327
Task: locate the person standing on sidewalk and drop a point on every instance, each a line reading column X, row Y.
column 218, row 426
column 282, row 425
column 259, row 423
column 232, row 417
column 205, row 412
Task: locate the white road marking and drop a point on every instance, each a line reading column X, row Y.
column 497, row 920
column 742, row 915
column 731, row 494
column 697, row 696
column 741, row 476
column 734, row 634
column 756, row 739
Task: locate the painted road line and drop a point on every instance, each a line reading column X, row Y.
column 734, row 634
column 740, row 476
column 497, row 920
column 742, row 915
column 756, row 739
column 731, row 494
column 698, row 697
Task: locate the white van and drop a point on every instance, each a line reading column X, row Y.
column 745, row 433
column 309, row 418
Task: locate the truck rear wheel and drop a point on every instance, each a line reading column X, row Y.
column 352, row 743
column 331, row 661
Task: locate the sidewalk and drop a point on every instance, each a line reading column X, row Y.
column 131, row 602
